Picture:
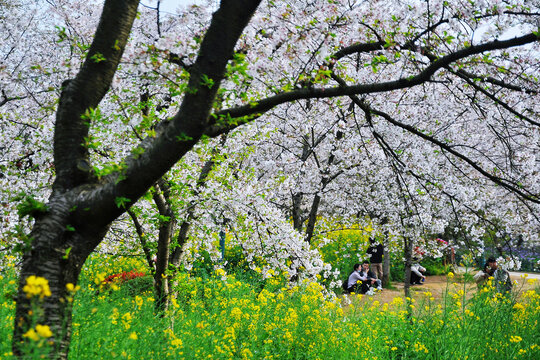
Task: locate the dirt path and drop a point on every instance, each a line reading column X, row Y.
column 437, row 286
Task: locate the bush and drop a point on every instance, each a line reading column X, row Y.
column 435, row 266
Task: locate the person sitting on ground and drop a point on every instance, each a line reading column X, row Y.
column 501, row 278
column 417, row 276
column 354, row 283
column 369, row 279
column 481, row 276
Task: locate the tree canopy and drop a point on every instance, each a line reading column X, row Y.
column 416, row 114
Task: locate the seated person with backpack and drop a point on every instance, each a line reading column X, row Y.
column 361, row 279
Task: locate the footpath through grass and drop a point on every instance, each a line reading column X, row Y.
column 226, row 317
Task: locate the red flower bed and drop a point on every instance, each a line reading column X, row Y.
column 123, row 276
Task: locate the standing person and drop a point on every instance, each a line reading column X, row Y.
column 417, row 276
column 368, row 278
column 376, row 251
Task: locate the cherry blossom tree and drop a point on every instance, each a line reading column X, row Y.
column 441, row 88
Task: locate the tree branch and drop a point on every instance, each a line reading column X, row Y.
column 252, row 111
column 85, row 92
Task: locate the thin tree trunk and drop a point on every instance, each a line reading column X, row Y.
column 386, row 266
column 186, row 224
column 408, row 247
column 312, row 219
column 297, row 211
column 142, row 239
column 166, row 228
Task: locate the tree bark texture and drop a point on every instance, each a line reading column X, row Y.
column 166, row 231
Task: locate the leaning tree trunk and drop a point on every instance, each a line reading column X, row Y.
column 186, row 224
column 142, row 239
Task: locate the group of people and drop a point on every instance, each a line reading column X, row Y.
column 501, row 277
column 366, row 278
column 362, row 280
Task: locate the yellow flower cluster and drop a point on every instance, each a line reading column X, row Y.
column 36, row 286
column 515, row 339
column 39, row 333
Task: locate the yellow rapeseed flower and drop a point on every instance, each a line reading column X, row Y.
column 72, row 288
column 44, row 331
column 220, row 272
column 515, row 339
column 36, row 286
column 40, row 332
column 133, row 336
column 32, row 335
column 176, row 342
column 450, row 275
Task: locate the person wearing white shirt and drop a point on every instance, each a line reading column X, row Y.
column 417, row 276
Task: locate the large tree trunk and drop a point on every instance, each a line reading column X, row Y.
column 57, row 254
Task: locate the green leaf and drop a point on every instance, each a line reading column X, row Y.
column 206, row 81
column 97, row 57
column 29, row 206
column 66, row 255
column 121, row 202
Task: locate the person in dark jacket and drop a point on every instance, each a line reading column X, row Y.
column 376, row 251
column 369, row 279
